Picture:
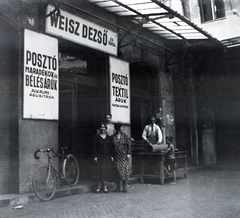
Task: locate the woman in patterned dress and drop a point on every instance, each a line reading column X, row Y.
column 103, row 156
column 122, row 153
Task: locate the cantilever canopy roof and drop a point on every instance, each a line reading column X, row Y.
column 159, row 18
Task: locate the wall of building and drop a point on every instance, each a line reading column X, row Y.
column 218, row 100
column 33, row 135
column 226, row 101
column 224, row 28
column 217, row 89
column 218, row 110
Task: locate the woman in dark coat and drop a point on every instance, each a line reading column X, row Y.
column 122, row 153
column 103, row 156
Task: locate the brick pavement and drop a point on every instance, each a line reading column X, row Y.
column 205, row 194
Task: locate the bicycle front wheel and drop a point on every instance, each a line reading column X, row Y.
column 71, row 170
column 44, row 183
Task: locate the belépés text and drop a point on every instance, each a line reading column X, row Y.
column 76, row 28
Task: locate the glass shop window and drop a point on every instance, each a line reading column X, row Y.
column 72, row 64
column 211, row 9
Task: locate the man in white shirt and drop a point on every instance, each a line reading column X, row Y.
column 152, row 133
column 110, row 127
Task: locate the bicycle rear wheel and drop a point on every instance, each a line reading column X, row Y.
column 71, row 170
column 44, row 183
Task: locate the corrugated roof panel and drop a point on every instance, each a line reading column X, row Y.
column 129, row 2
column 197, row 36
column 179, row 28
column 173, row 20
column 105, row 4
column 151, row 11
column 170, row 25
column 117, row 9
column 125, row 13
column 152, row 29
column 149, row 24
column 188, row 32
column 146, row 6
column 166, row 35
column 94, row 1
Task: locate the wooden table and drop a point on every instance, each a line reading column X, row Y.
column 157, row 160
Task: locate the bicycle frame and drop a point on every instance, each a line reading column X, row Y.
column 45, row 178
column 58, row 175
column 51, row 167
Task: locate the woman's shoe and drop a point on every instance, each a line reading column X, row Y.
column 118, row 187
column 105, row 190
column 124, row 186
column 98, row 190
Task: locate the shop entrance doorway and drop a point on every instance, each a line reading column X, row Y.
column 81, row 78
column 144, row 97
column 78, row 116
column 67, row 117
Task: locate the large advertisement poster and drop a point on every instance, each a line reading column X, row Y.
column 40, row 76
column 81, row 31
column 119, row 90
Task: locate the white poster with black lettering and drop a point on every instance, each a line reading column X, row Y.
column 40, row 76
column 119, row 90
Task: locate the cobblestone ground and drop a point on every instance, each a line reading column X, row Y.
column 203, row 194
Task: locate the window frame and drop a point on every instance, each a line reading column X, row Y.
column 215, row 15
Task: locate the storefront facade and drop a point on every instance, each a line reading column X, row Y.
column 64, row 73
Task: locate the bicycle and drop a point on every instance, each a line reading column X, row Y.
column 44, row 180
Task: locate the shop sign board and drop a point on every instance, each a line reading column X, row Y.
column 81, row 31
column 41, row 79
column 119, row 90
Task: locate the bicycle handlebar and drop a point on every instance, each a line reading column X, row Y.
column 39, row 150
column 47, row 150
